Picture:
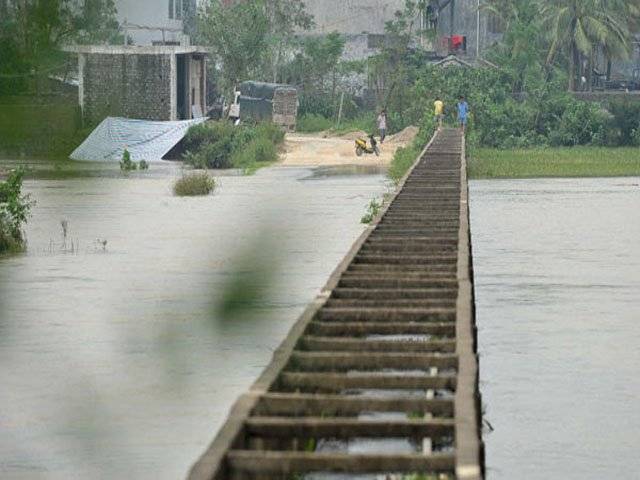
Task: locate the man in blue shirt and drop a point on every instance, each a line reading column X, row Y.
column 463, row 112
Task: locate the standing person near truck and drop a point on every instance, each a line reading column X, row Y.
column 463, row 113
column 439, row 111
column 382, row 125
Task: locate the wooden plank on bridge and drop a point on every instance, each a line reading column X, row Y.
column 387, row 350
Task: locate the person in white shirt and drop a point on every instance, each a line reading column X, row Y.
column 382, row 125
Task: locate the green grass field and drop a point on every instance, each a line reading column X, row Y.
column 554, row 162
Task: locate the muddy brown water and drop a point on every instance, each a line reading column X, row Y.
column 114, row 360
column 557, row 278
column 116, row 363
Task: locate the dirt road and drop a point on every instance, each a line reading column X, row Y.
column 320, row 150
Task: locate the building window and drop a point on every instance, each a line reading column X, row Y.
column 178, row 9
column 170, row 8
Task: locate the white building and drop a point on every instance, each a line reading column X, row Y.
column 154, row 21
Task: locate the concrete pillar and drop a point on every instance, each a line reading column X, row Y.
column 173, row 86
column 203, row 85
column 82, row 61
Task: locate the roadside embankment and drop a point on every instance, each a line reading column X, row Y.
column 554, row 162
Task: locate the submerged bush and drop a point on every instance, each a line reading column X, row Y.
column 223, row 145
column 194, row 184
column 372, row 212
column 126, row 164
column 15, row 209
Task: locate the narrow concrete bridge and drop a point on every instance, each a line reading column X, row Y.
column 380, row 373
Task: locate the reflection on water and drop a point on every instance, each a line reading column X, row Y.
column 111, row 362
column 557, row 270
column 340, row 170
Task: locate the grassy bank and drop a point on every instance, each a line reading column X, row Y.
column 554, row 162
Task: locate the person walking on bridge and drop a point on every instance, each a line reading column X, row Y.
column 439, row 111
column 463, row 113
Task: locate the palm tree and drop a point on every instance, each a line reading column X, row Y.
column 585, row 25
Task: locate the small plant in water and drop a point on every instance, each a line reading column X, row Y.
column 101, row 244
column 143, row 165
column 194, row 184
column 126, row 164
column 372, row 211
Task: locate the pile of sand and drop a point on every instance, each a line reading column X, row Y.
column 405, row 136
column 353, row 136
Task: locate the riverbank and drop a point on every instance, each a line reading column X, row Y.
column 554, row 162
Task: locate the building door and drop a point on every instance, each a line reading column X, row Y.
column 182, row 95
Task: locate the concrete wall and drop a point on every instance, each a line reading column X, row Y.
column 466, row 22
column 352, row 16
column 134, row 86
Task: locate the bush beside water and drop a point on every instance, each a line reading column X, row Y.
column 15, row 208
column 223, row 145
column 194, row 184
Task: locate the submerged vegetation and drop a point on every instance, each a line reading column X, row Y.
column 15, row 208
column 194, row 184
column 223, row 145
column 127, row 165
column 373, row 209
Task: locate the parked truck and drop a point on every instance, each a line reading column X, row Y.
column 259, row 101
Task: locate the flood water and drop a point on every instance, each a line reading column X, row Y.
column 557, row 277
column 116, row 360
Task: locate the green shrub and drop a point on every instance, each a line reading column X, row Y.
column 318, row 105
column 258, row 151
column 15, row 209
column 311, row 123
column 270, row 131
column 625, row 121
column 222, row 145
column 373, row 209
column 581, row 123
column 402, row 161
column 126, row 164
column 404, row 158
column 194, row 184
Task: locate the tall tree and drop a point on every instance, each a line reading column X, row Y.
column 236, row 35
column 284, row 18
column 522, row 46
column 33, row 31
column 251, row 39
column 580, row 26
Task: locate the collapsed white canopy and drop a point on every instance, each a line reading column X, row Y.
column 144, row 139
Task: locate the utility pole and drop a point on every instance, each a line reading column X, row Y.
column 478, row 32
column 452, row 19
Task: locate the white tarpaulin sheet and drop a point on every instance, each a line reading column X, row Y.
column 144, row 139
